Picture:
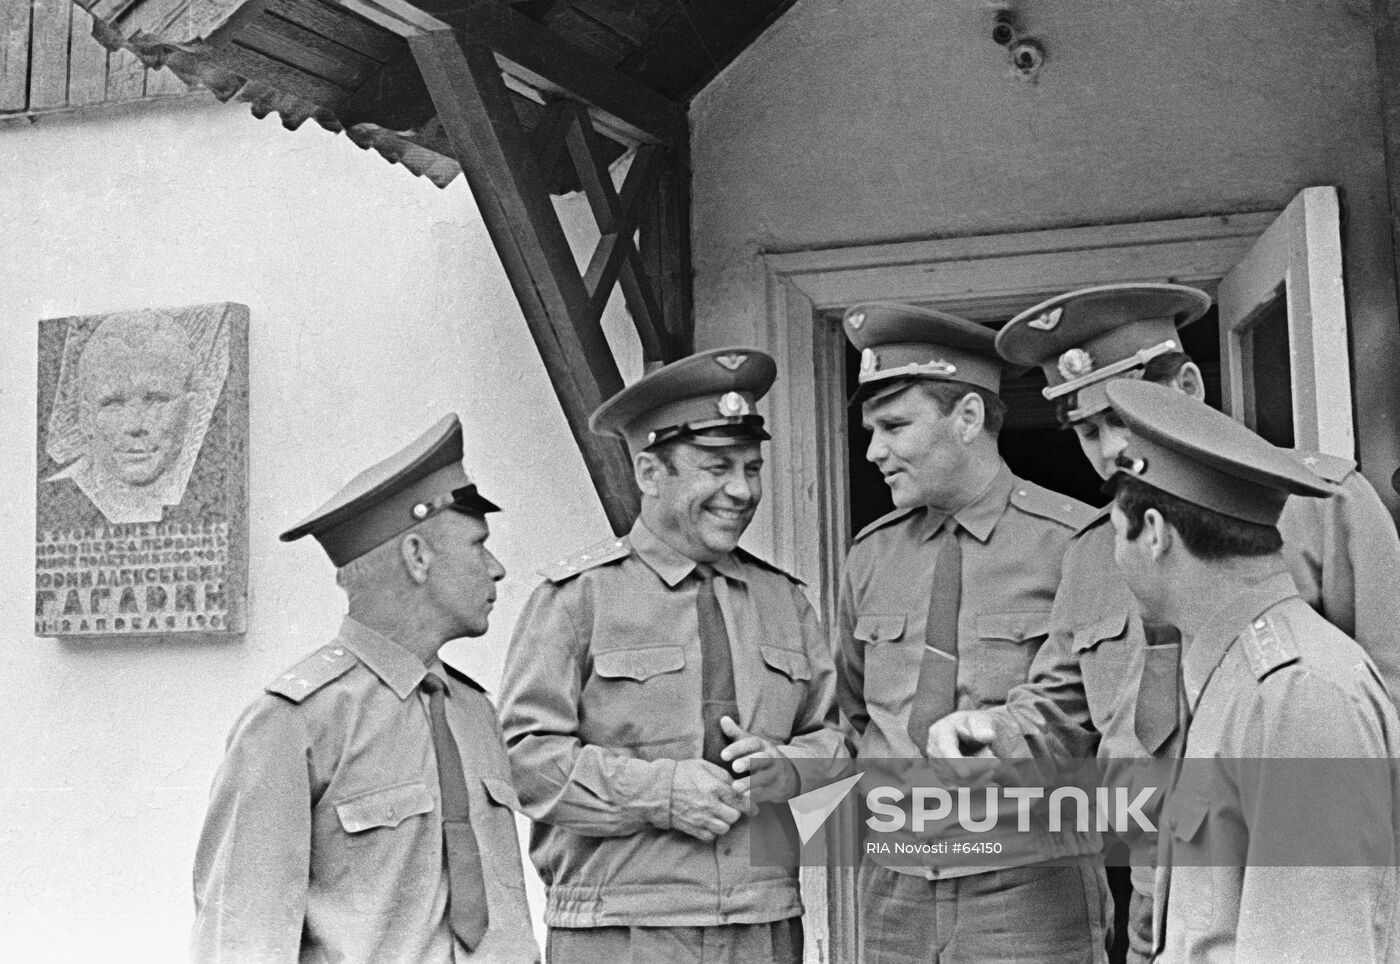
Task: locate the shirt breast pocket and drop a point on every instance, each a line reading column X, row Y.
column 1104, row 663
column 639, row 698
column 1007, row 643
column 786, row 674
column 368, row 818
column 496, row 832
column 891, row 659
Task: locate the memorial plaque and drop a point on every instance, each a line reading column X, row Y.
column 142, row 481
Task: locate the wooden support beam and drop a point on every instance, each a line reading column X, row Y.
column 664, row 242
column 543, row 61
column 464, row 80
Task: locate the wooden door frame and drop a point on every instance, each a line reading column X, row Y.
column 805, row 292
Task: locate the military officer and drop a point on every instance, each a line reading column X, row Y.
column 1263, row 679
column 943, row 605
column 363, row 811
column 646, row 676
column 1343, row 553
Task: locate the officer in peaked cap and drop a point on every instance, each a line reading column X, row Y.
column 363, row 810
column 1083, row 695
column 943, row 603
column 1262, row 676
column 901, row 343
column 646, row 676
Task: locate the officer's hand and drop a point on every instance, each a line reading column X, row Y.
column 960, row 735
column 779, row 778
column 703, row 804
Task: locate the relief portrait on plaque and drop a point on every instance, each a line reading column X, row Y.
column 142, row 472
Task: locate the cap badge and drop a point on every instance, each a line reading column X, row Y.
column 733, row 362
column 855, row 319
column 869, row 362
column 733, row 405
column 1047, row 320
column 1075, row 363
column 420, row 511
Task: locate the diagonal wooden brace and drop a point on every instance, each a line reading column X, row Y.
column 498, row 161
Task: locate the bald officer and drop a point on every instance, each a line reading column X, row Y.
column 1264, row 680
column 1343, row 552
column 646, row 674
column 363, row 812
column 943, row 605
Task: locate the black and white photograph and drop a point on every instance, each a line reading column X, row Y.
column 700, row 481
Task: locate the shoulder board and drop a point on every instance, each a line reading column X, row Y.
column 318, row 669
column 585, row 559
column 747, row 556
column 1097, row 519
column 1267, row 647
column 1333, row 468
column 462, row 677
column 1042, row 502
column 887, row 519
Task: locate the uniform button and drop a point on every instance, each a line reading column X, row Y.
column 289, row 675
column 1022, row 493
column 1259, row 624
column 337, row 652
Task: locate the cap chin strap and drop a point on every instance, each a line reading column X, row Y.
column 1137, row 360
column 660, row 435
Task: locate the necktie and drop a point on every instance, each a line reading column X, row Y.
column 717, row 697
column 466, row 893
column 936, row 693
column 1157, row 715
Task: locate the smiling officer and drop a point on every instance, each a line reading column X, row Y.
column 647, row 672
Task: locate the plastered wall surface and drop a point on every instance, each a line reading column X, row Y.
column 860, row 121
column 377, row 305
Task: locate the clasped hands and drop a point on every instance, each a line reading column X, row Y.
column 706, row 801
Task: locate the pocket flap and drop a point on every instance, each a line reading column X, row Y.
column 1187, row 812
column 789, row 662
column 1111, row 626
column 501, row 792
column 638, row 664
column 384, row 808
column 1013, row 627
column 880, row 629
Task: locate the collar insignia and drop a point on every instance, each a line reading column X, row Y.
column 1047, row 320
column 732, row 362
column 869, row 362
column 855, row 319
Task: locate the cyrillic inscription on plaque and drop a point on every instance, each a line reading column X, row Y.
column 142, row 473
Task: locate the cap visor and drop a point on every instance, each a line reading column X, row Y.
column 467, row 499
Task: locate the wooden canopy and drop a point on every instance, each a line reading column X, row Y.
column 526, row 99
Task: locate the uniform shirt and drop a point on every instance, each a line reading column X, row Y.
column 1343, row 553
column 600, row 698
column 323, row 840
column 1269, row 679
column 1012, row 539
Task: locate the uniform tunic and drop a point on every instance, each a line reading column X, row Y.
column 1270, row 679
column 602, row 695
column 1342, row 552
column 323, row 840
column 1013, row 537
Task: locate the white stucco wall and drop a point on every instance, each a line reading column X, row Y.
column 860, row 121
column 377, row 305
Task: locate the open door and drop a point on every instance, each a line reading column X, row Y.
column 1285, row 367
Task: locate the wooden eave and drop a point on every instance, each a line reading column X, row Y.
column 346, row 64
